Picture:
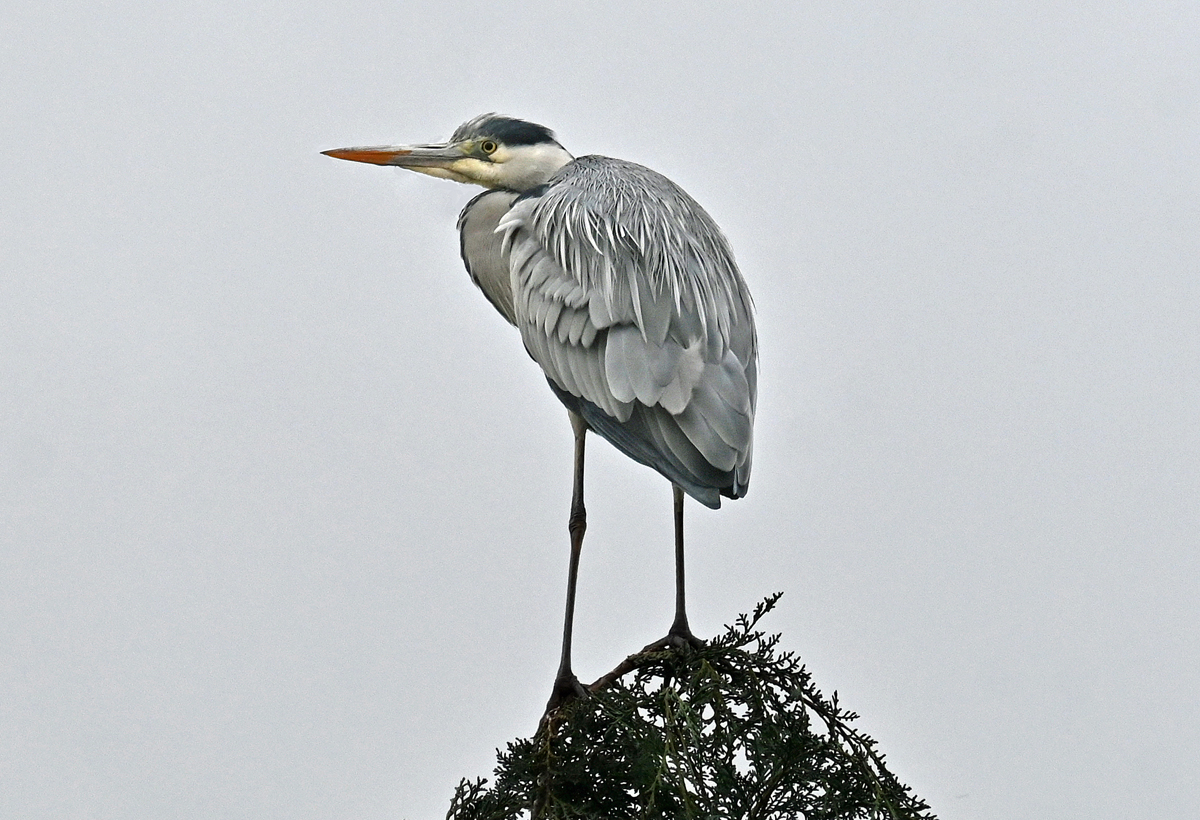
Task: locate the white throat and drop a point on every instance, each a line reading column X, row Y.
column 528, row 166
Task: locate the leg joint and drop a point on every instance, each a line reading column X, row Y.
column 578, row 523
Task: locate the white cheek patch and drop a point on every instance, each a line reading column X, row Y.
column 518, row 169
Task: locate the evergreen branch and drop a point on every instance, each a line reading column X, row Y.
column 724, row 731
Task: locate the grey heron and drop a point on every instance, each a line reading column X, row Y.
column 627, row 295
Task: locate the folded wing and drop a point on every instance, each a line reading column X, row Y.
column 627, row 295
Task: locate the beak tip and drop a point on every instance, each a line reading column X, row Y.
column 374, row 156
column 341, row 153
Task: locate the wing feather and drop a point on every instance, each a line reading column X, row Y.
column 626, row 294
column 701, row 435
column 481, row 251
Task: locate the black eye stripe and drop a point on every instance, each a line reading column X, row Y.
column 504, row 130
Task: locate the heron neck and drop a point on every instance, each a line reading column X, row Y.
column 535, row 167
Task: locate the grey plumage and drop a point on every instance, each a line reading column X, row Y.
column 482, row 248
column 627, row 295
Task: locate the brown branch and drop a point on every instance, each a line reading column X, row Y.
column 634, row 661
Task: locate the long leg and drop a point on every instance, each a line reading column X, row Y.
column 680, row 625
column 566, row 685
column 679, row 633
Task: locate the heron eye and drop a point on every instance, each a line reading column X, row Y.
column 488, row 147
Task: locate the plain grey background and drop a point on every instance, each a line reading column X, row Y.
column 283, row 502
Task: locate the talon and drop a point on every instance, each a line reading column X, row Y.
column 677, row 638
column 566, row 689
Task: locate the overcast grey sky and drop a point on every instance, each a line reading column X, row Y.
column 283, row 502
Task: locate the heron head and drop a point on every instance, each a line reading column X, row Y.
column 489, row 150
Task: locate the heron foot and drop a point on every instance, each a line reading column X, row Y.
column 566, row 689
column 677, row 638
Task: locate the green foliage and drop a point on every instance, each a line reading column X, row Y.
column 735, row 729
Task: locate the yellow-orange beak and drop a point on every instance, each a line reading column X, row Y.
column 404, row 156
column 375, row 156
